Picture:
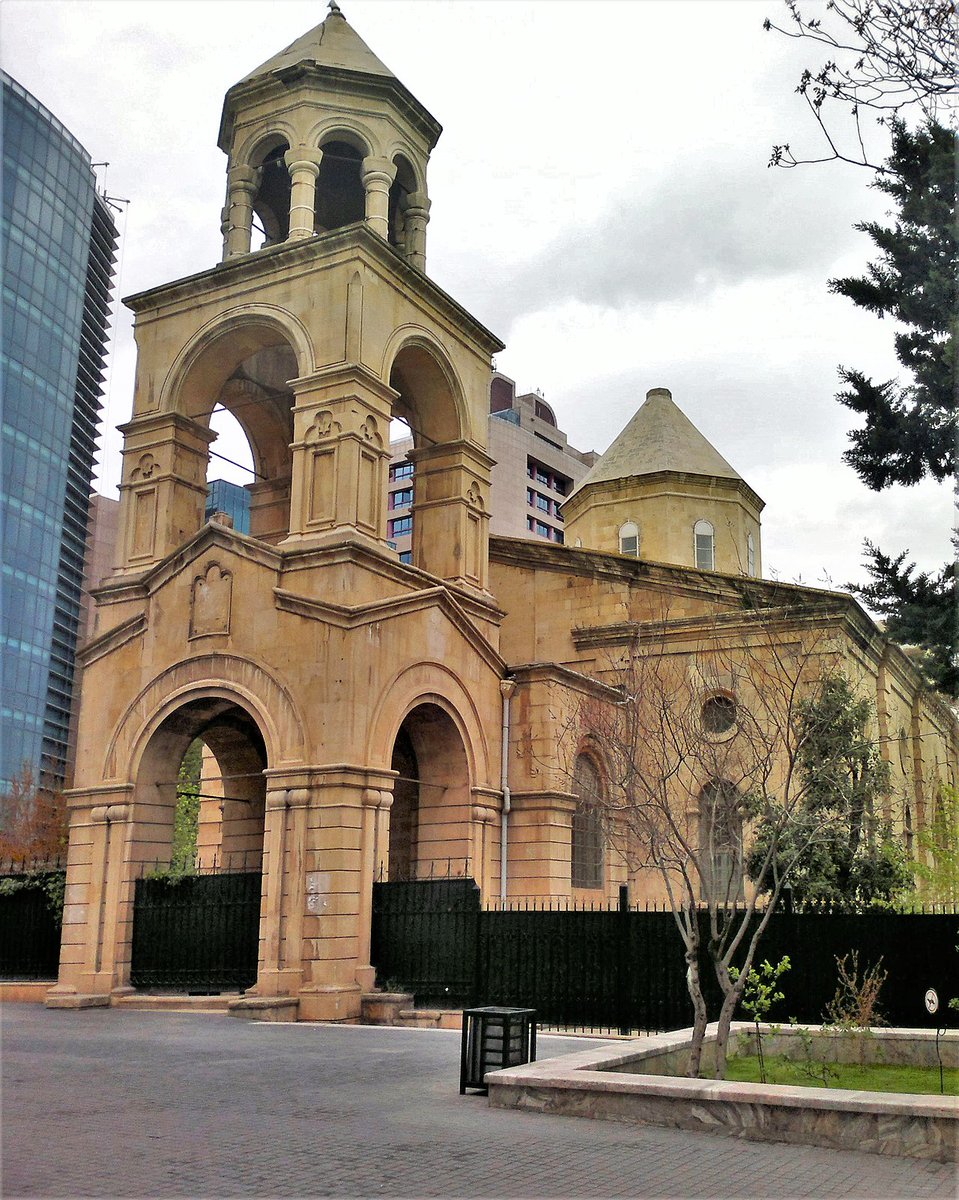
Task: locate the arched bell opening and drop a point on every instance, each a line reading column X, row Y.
column 403, row 186
column 400, row 491
column 430, row 814
column 449, row 479
column 340, row 196
column 271, row 199
column 237, row 387
column 426, row 401
column 197, row 850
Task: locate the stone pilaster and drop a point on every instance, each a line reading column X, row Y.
column 163, row 492
column 98, row 900
column 451, row 512
column 341, row 453
column 341, row 841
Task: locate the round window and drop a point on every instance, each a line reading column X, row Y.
column 719, row 714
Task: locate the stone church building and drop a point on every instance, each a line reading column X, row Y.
column 369, row 718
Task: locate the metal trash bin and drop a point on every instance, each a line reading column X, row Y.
column 495, row 1038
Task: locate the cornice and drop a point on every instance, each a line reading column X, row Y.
column 112, row 640
column 326, row 249
column 587, row 491
column 337, row 79
column 550, row 672
column 355, row 616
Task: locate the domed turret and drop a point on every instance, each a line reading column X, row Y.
column 664, row 493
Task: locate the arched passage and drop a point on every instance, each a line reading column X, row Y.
column 430, row 816
column 197, row 849
column 227, row 779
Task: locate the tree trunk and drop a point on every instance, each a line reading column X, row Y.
column 730, row 1000
column 700, row 1019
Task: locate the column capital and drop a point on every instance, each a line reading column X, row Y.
column 303, row 161
column 417, row 204
column 375, row 170
column 242, row 178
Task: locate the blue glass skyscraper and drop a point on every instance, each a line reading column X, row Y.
column 58, row 243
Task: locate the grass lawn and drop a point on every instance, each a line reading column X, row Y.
column 877, row 1077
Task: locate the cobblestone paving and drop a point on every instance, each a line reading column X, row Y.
column 134, row 1104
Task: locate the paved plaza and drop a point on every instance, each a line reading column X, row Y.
column 108, row 1103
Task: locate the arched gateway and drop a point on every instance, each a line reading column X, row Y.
column 257, row 674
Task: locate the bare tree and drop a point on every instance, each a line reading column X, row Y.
column 882, row 57
column 704, row 745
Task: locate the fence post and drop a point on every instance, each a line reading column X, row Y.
column 623, row 963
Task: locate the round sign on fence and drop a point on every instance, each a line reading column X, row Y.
column 932, row 1001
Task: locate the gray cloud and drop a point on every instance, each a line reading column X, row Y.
column 682, row 236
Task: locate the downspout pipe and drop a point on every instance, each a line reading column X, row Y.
column 507, row 687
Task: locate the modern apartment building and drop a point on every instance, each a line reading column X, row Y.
column 59, row 243
column 230, row 498
column 535, row 469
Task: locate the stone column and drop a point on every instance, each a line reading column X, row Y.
column 485, row 811
column 242, row 183
column 417, row 218
column 378, row 175
column 381, row 847
column 365, row 972
column 304, row 166
column 280, row 969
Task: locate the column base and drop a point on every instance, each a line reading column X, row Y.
column 265, row 1008
column 71, row 998
column 319, row 1003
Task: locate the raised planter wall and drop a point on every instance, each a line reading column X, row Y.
column 631, row 1084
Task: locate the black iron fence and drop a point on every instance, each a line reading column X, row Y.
column 31, row 917
column 196, row 933
column 606, row 968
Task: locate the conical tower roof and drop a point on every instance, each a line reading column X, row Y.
column 332, row 43
column 660, row 437
column 334, row 55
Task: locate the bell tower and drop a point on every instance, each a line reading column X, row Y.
column 303, row 654
column 323, row 135
column 317, row 328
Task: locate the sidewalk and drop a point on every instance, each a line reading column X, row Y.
column 109, row 1103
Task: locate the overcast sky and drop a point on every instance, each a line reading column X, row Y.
column 600, row 200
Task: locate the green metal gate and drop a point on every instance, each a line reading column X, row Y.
column 198, row 933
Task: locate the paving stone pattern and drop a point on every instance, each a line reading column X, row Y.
column 134, row 1104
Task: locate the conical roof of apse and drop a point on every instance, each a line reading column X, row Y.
column 333, row 43
column 660, row 437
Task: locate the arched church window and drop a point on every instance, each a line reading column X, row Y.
column 720, row 842
column 629, row 539
column 704, row 538
column 586, row 856
column 340, row 196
